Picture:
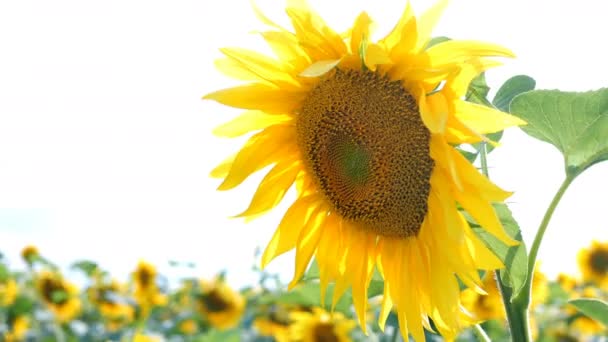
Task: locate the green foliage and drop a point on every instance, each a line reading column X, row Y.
column 514, row 257
column 594, row 308
column 575, row 123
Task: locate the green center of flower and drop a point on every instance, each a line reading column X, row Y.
column 367, row 149
column 54, row 292
column 599, row 261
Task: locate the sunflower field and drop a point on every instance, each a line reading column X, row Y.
column 41, row 304
column 376, row 146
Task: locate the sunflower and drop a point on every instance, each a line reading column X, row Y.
column 275, row 321
column 484, row 307
column 593, row 263
column 60, row 296
column 30, row 254
column 147, row 294
column 367, row 133
column 318, row 326
column 188, row 326
column 567, row 282
column 8, row 291
column 582, row 324
column 111, row 304
column 219, row 304
column 18, row 329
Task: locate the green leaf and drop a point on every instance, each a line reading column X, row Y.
column 514, row 257
column 575, row 123
column 233, row 335
column 87, row 267
column 512, row 87
column 594, row 308
column 436, row 40
column 478, row 90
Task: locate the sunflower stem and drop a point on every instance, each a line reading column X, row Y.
column 481, row 334
column 517, row 319
column 525, row 296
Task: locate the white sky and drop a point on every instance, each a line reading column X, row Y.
column 105, row 145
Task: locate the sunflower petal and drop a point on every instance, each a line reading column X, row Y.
column 453, row 52
column 320, row 68
column 360, row 32
column 263, row 67
column 308, row 241
column 251, row 120
column 428, row 21
column 269, row 146
column 259, row 96
column 286, row 235
column 273, row 187
column 483, row 119
column 434, row 112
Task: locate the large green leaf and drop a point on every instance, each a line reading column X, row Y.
column 512, row 87
column 575, row 123
column 594, row 308
column 514, row 257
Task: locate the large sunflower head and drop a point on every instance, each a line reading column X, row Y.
column 366, row 131
column 60, row 296
column 593, row 263
column 219, row 304
column 319, row 326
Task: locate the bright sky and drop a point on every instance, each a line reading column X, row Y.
column 105, row 144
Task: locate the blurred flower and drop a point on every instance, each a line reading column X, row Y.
column 18, row 329
column 188, row 326
column 219, row 304
column 366, row 136
column 8, row 291
column 582, row 324
column 319, row 326
column 60, row 296
column 30, row 254
column 484, row 307
column 139, row 337
column 540, row 287
column 147, row 294
column 593, row 263
column 109, row 300
column 275, row 322
column 567, row 282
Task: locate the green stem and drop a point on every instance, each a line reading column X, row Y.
column 481, row 334
column 525, row 295
column 516, row 319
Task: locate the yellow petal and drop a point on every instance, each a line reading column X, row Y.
column 286, row 235
column 459, row 83
column 393, row 37
column 483, row 119
column 223, row 168
column 259, row 96
column 360, row 32
column 273, row 187
column 251, row 120
column 320, row 68
column 286, row 48
column 263, row 67
column 317, row 39
column 458, row 51
column 263, row 149
column 375, row 55
column 434, row 112
column 484, row 258
column 308, row 241
column 428, row 21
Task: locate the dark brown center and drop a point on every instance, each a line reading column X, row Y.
column 324, row 332
column 366, row 147
column 599, row 261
